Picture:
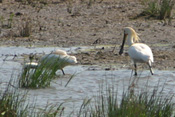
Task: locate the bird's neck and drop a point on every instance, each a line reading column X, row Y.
column 130, row 40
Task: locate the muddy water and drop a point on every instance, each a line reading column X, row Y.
column 86, row 82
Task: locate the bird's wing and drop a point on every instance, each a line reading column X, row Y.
column 140, row 52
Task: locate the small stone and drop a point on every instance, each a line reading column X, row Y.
column 18, row 14
column 107, row 69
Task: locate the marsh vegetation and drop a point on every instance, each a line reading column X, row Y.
column 14, row 103
column 142, row 103
column 108, row 102
column 41, row 75
column 160, row 9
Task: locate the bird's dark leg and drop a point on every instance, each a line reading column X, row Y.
column 135, row 69
column 150, row 69
column 63, row 71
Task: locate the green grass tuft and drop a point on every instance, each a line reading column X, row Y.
column 12, row 102
column 166, row 8
column 160, row 9
column 152, row 9
column 51, row 110
column 41, row 76
column 141, row 104
column 26, row 28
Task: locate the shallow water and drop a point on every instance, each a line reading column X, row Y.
column 86, row 82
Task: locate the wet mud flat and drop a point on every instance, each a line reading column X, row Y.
column 83, row 23
column 104, row 55
column 164, row 57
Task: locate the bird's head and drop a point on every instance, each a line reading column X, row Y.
column 72, row 60
column 128, row 31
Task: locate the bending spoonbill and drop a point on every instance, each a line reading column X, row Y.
column 139, row 52
column 62, row 56
column 59, row 56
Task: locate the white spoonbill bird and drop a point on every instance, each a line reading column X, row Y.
column 139, row 52
column 58, row 57
column 62, row 56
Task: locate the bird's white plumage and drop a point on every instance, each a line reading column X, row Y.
column 59, row 57
column 63, row 55
column 66, row 58
column 59, row 52
column 138, row 52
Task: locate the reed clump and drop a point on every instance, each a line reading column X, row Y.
column 26, row 28
column 41, row 75
column 51, row 110
column 160, row 9
column 141, row 104
column 12, row 102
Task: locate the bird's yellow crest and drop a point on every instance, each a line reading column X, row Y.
column 133, row 33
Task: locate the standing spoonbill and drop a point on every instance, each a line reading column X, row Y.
column 139, row 52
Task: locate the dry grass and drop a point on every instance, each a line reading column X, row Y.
column 26, row 28
column 160, row 9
